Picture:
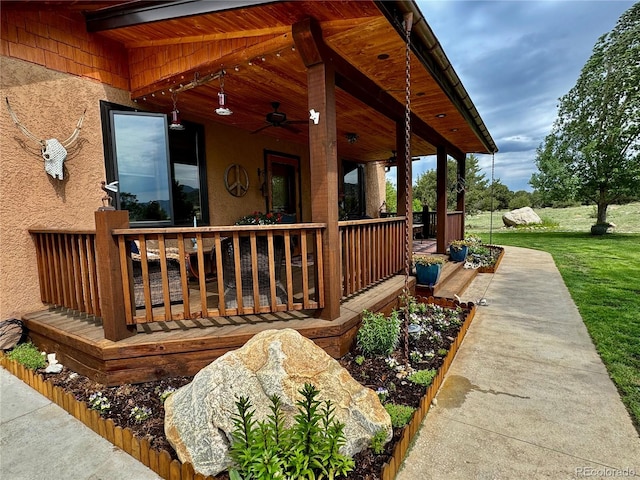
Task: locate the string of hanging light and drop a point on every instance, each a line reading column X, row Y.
column 179, row 84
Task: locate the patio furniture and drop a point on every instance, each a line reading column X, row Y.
column 155, row 278
column 264, row 285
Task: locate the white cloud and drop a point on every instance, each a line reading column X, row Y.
column 516, row 59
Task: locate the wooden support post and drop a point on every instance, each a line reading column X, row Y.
column 110, row 276
column 460, row 200
column 405, row 189
column 441, row 202
column 323, row 157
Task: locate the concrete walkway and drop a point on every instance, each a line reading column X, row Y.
column 527, row 395
column 40, row 441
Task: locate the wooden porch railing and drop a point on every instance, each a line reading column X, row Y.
column 455, row 227
column 67, row 269
column 244, row 274
column 372, row 250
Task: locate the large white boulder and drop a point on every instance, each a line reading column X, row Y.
column 521, row 216
column 198, row 418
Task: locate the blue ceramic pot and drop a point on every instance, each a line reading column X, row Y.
column 428, row 274
column 458, row 254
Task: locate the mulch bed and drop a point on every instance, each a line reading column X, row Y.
column 373, row 373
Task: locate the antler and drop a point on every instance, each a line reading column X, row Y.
column 22, row 128
column 72, row 138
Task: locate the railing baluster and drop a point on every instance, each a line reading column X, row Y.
column 253, row 244
column 202, row 278
column 319, row 270
column 166, row 293
column 184, row 276
column 305, row 271
column 220, row 274
column 144, row 267
column 238, row 272
column 129, row 304
column 288, row 267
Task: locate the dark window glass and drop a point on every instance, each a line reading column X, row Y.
column 353, row 189
column 161, row 172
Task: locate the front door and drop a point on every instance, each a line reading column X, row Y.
column 283, row 180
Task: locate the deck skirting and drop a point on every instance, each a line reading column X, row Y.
column 164, row 349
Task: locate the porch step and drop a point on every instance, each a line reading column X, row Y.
column 454, row 280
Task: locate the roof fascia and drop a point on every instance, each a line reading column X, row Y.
column 141, row 12
column 436, row 62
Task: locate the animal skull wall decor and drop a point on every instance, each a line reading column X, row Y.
column 53, row 151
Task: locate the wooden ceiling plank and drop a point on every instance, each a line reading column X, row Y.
column 310, row 43
column 228, row 61
column 211, row 37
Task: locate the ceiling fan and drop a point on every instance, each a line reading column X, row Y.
column 279, row 119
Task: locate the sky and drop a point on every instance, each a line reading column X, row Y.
column 516, row 59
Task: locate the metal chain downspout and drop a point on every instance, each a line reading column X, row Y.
column 408, row 23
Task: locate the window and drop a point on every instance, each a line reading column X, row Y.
column 352, row 194
column 161, row 173
column 284, row 183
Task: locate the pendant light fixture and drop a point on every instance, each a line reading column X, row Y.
column 222, row 109
column 175, row 115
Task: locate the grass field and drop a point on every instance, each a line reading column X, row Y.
column 571, row 219
column 603, row 275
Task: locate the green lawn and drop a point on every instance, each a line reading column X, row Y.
column 603, row 275
column 571, row 219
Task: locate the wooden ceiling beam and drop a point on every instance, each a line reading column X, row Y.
column 228, row 61
column 138, row 13
column 307, row 36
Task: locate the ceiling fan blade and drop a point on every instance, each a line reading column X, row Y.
column 286, row 126
column 297, row 122
column 261, row 128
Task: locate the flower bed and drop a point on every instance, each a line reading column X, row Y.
column 137, row 436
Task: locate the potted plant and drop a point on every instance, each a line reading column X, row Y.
column 428, row 268
column 458, row 250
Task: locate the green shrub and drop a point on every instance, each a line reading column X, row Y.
column 423, row 377
column 377, row 442
column 400, row 414
column 378, row 335
column 28, row 355
column 307, row 449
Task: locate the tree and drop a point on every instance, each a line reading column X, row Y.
column 391, row 197
column 496, row 197
column 593, row 151
column 475, row 185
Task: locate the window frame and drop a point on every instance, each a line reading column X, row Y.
column 111, row 169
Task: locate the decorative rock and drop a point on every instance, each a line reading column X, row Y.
column 54, row 366
column 521, row 216
column 198, row 416
column 11, row 333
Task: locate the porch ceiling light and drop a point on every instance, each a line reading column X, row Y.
column 352, row 137
column 175, row 116
column 222, row 109
column 441, row 115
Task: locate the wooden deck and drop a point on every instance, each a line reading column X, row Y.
column 164, row 349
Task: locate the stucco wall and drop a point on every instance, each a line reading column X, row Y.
column 49, row 104
column 226, row 146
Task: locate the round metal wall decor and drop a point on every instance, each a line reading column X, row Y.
column 236, row 180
